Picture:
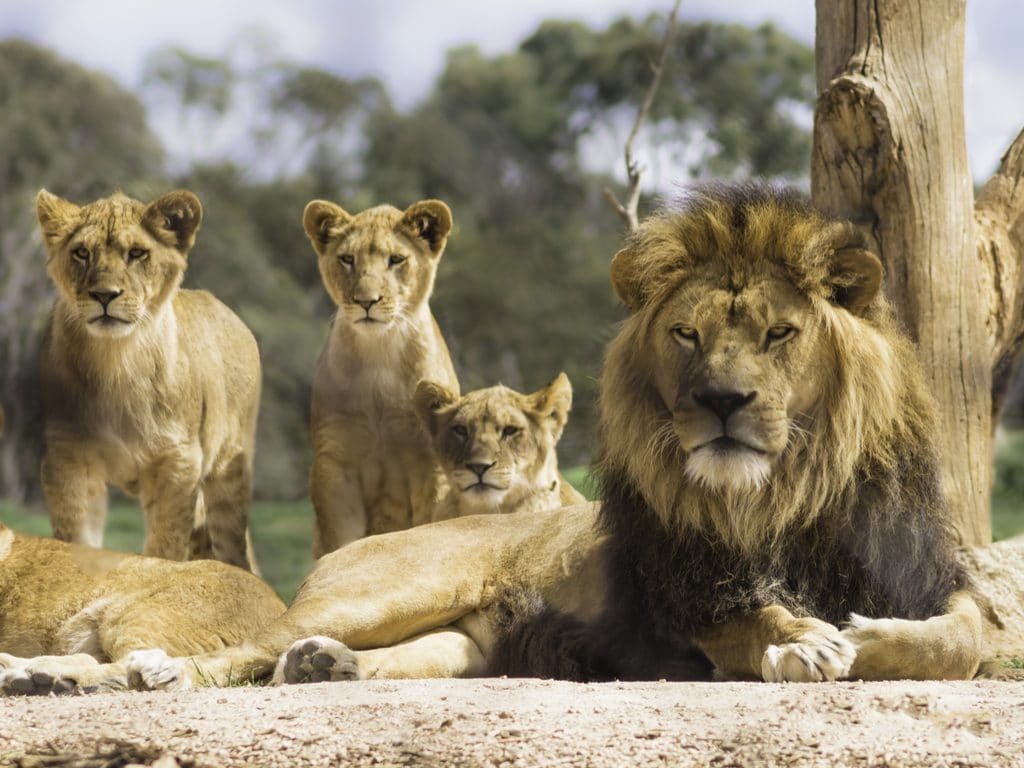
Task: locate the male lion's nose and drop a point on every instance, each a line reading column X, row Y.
column 479, row 469
column 367, row 303
column 105, row 297
column 722, row 402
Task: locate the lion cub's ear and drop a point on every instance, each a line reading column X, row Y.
column 319, row 218
column 552, row 404
column 855, row 278
column 174, row 219
column 430, row 220
column 56, row 215
column 430, row 399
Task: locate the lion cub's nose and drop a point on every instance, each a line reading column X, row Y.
column 722, row 402
column 367, row 303
column 479, row 469
column 105, row 297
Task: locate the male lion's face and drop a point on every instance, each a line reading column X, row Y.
column 494, row 441
column 733, row 369
column 728, row 349
column 379, row 265
column 116, row 262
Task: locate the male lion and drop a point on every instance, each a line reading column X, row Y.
column 373, row 470
column 767, row 473
column 497, row 447
column 145, row 386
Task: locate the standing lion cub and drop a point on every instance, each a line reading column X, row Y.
column 373, row 469
column 146, row 387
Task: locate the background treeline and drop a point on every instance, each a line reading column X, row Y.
column 520, row 145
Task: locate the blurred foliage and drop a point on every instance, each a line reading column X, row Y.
column 511, row 142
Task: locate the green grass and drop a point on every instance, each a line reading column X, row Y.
column 582, row 480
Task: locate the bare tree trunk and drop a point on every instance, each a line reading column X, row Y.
column 890, row 154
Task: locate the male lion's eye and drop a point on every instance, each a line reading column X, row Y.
column 81, row 253
column 460, row 430
column 135, row 254
column 395, row 259
column 347, row 259
column 686, row 334
column 780, row 332
column 510, row 430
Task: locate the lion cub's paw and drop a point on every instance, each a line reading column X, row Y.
column 815, row 657
column 154, row 670
column 316, row 660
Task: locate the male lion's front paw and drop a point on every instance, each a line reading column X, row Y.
column 815, row 656
column 154, row 670
column 316, row 660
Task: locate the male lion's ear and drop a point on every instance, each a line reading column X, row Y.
column 430, row 220
column 174, row 219
column 855, row 278
column 429, row 399
column 319, row 218
column 626, row 277
column 56, row 215
column 553, row 402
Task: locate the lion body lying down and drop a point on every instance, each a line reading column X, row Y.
column 767, row 471
column 70, row 613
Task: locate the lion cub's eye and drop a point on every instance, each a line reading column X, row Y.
column 135, row 254
column 779, row 333
column 81, row 253
column 460, row 431
column 510, row 430
column 395, row 259
column 686, row 334
column 347, row 259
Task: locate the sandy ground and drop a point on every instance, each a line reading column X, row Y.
column 536, row 723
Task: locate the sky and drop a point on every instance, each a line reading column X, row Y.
column 403, row 41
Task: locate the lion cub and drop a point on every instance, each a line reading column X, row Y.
column 373, row 470
column 145, row 386
column 497, row 447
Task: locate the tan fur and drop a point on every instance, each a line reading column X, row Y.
column 373, row 470
column 420, row 602
column 71, row 613
column 497, row 447
column 160, row 396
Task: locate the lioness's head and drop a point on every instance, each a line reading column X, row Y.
column 379, row 265
column 495, row 444
column 117, row 262
column 756, row 328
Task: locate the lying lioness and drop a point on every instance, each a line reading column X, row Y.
column 69, row 614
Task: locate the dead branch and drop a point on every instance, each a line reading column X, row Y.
column 628, row 211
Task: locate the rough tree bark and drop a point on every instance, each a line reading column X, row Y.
column 890, row 154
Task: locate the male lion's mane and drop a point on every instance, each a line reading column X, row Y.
column 852, row 520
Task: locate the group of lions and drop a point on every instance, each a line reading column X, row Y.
column 770, row 496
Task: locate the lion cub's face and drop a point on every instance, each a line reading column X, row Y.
column 495, row 443
column 117, row 262
column 379, row 265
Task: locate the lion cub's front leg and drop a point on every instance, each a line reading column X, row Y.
column 169, row 492
column 76, row 494
column 775, row 646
